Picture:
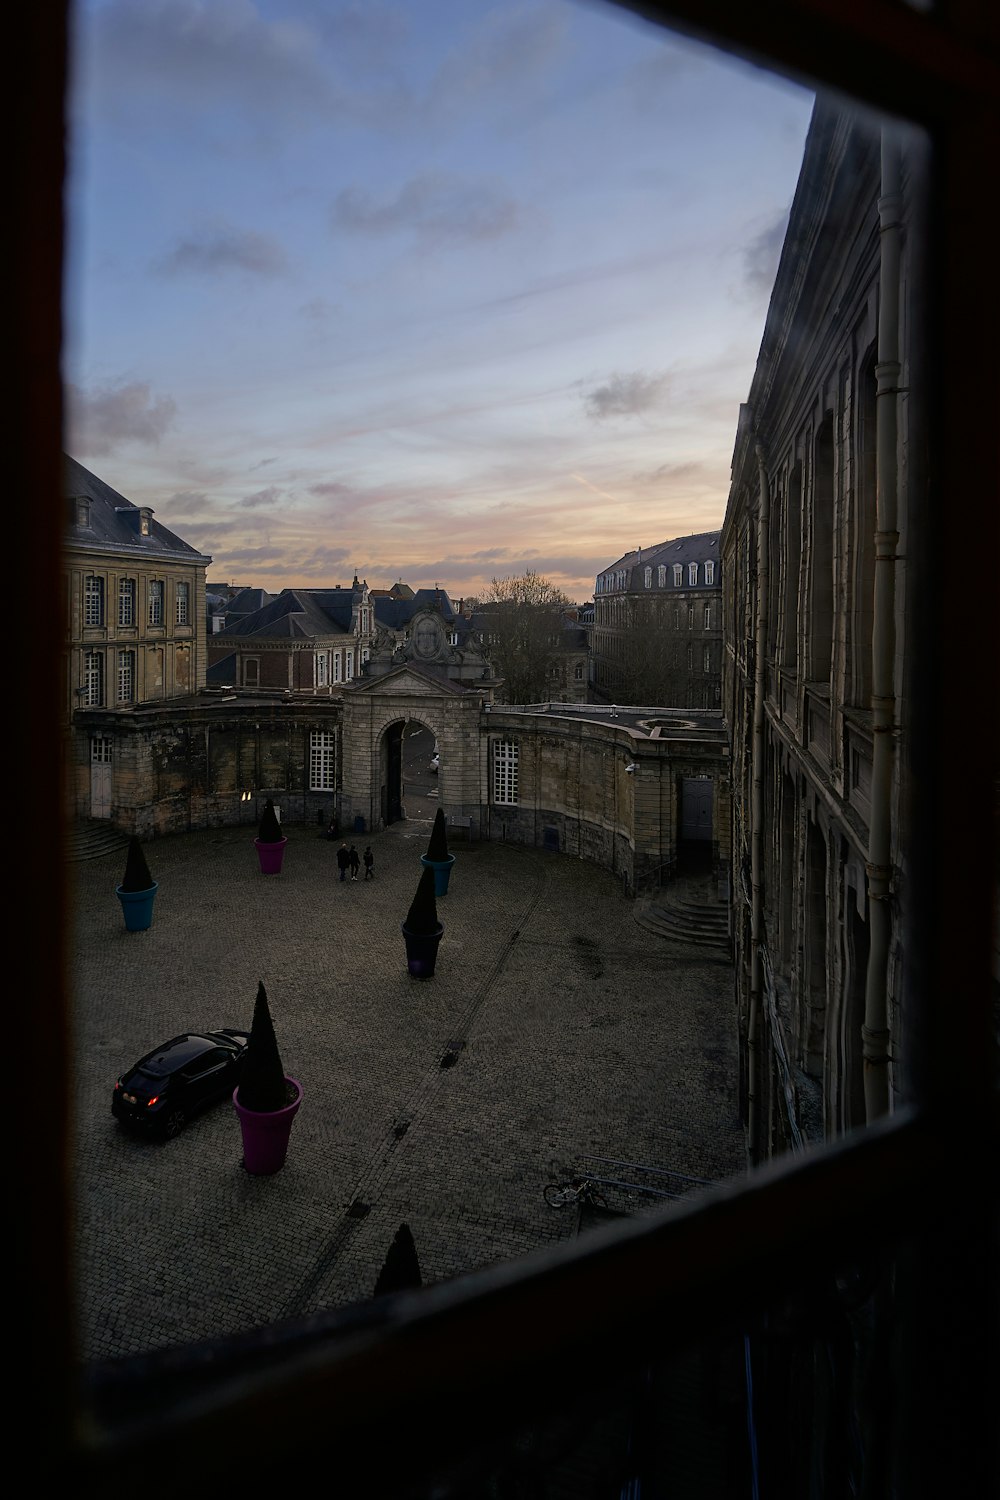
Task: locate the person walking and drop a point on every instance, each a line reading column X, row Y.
column 343, row 860
column 369, row 863
column 355, row 860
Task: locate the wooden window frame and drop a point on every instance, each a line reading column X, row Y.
column 490, row 1350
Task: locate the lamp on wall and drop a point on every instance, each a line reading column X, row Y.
column 631, row 766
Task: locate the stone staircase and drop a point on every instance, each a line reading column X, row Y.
column 689, row 911
column 92, row 837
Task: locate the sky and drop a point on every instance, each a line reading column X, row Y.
column 440, row 290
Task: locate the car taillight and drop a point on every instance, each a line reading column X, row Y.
column 151, row 1102
column 118, row 1086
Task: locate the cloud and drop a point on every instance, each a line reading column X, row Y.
column 627, row 395
column 760, row 258
column 260, row 498
column 101, row 420
column 330, row 489
column 429, row 205
column 225, row 249
column 502, row 54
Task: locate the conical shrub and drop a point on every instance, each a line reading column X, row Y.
column 422, row 917
column 262, row 1078
column 269, row 831
column 401, row 1269
column 137, row 876
column 437, row 848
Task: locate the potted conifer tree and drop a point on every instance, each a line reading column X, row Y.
column 401, row 1269
column 422, row 931
column 137, row 889
column 266, row 1099
column 270, row 841
column 437, row 856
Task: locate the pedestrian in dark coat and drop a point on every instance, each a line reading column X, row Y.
column 369, row 863
column 355, row 859
column 343, row 860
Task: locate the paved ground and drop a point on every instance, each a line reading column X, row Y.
column 576, row 1033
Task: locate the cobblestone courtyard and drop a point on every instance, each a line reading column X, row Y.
column 573, row 1033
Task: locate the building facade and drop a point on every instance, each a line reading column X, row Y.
column 135, row 601
column 657, row 632
column 814, row 547
column 303, row 640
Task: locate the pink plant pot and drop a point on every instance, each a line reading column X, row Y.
column 265, row 1133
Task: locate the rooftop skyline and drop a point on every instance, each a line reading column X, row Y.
column 438, row 291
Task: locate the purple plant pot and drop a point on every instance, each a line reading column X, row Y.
column 265, row 1133
column 421, row 951
column 270, row 856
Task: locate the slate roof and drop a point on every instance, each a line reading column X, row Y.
column 298, row 614
column 114, row 521
column 703, row 546
column 396, row 613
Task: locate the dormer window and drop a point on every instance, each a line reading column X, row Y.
column 692, row 574
column 678, row 575
column 145, row 520
column 82, row 510
column 661, row 576
column 647, row 578
column 710, row 572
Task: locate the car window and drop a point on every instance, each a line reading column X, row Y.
column 206, row 1061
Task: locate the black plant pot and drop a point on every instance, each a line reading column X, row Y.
column 421, row 950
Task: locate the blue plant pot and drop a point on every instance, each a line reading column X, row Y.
column 442, row 869
column 137, row 907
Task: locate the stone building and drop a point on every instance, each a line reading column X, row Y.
column 814, row 548
column 304, row 640
column 657, row 632
column 135, row 600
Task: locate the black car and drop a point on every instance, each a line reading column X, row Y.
column 161, row 1092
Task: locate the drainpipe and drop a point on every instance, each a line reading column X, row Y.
column 875, row 1031
column 757, row 817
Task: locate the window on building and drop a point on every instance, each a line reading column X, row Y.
column 692, row 574
column 677, row 617
column 706, row 660
column 322, row 760
column 338, row 662
column 182, row 669
column 453, row 638
column 578, row 671
column 365, row 654
column 82, row 511
column 707, row 617
column 93, row 600
column 251, row 671
column 126, row 676
column 647, row 578
column 184, row 604
column 690, row 658
column 321, row 669
column 678, row 575
column 710, row 572
column 661, row 576
column 505, row 772
column 93, row 679
column 348, row 665
column 156, row 601
column 126, row 601
column 690, row 617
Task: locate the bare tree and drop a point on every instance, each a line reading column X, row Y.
column 522, row 627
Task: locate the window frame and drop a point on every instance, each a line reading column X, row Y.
column 676, row 1280
column 322, row 760
column 505, row 757
column 155, row 605
column 182, row 603
column 126, row 674
column 126, row 603
column 93, row 601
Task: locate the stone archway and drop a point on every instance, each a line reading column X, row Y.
column 407, row 786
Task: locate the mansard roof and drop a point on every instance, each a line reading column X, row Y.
column 703, row 546
column 114, row 521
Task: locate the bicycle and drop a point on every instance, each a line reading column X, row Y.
column 579, row 1190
